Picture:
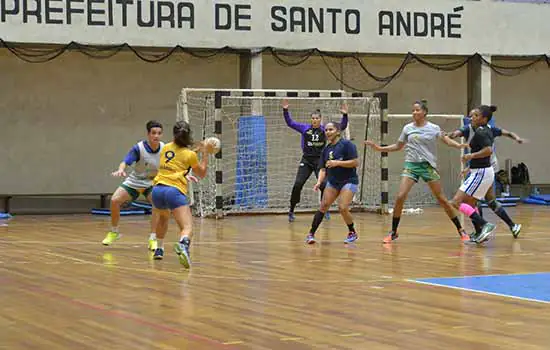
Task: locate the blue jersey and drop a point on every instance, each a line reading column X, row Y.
column 342, row 150
column 497, row 132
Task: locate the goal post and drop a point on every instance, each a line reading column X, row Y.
column 255, row 170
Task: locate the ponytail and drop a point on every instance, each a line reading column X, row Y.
column 182, row 134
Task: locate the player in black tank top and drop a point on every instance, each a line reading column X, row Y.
column 490, row 196
column 481, row 147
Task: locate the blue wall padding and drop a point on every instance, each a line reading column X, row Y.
column 251, row 174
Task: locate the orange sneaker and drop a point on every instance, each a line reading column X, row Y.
column 392, row 236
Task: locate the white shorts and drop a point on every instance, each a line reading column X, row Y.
column 494, row 163
column 478, row 182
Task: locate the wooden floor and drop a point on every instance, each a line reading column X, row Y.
column 256, row 285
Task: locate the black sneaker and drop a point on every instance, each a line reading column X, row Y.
column 159, row 254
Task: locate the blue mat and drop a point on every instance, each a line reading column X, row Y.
column 123, row 212
column 504, row 204
column 504, row 201
column 538, row 199
column 530, row 286
column 508, row 199
column 541, row 197
column 530, row 200
column 142, row 205
column 5, row 216
column 136, row 208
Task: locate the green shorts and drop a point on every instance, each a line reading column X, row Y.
column 135, row 192
column 422, row 170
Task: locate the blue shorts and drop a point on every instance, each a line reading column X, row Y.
column 347, row 186
column 168, row 197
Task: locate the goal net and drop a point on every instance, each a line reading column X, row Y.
column 260, row 154
column 449, row 161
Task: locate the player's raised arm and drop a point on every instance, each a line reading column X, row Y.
column 344, row 120
column 509, row 134
column 300, row 127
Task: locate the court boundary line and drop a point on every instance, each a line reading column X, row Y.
column 477, row 290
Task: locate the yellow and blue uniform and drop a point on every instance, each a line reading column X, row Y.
column 170, row 185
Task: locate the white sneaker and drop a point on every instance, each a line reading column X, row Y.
column 516, row 230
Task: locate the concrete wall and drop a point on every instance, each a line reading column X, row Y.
column 69, row 122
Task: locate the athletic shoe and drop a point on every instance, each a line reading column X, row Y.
column 159, row 254
column 183, row 254
column 392, row 236
column 516, row 229
column 310, row 239
column 111, row 238
column 152, row 245
column 352, row 237
column 464, row 237
column 486, row 232
column 291, row 217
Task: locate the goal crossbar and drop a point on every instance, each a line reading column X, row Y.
column 212, row 108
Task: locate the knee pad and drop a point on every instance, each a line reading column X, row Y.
column 494, row 205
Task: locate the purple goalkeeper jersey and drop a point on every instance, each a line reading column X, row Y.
column 313, row 139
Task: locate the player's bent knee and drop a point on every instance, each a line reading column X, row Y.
column 343, row 209
column 494, row 204
column 442, row 200
column 163, row 214
column 117, row 201
column 163, row 221
column 401, row 197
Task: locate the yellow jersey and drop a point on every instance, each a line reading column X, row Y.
column 175, row 163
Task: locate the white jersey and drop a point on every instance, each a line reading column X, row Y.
column 145, row 169
column 421, row 143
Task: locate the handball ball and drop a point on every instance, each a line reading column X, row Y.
column 213, row 145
